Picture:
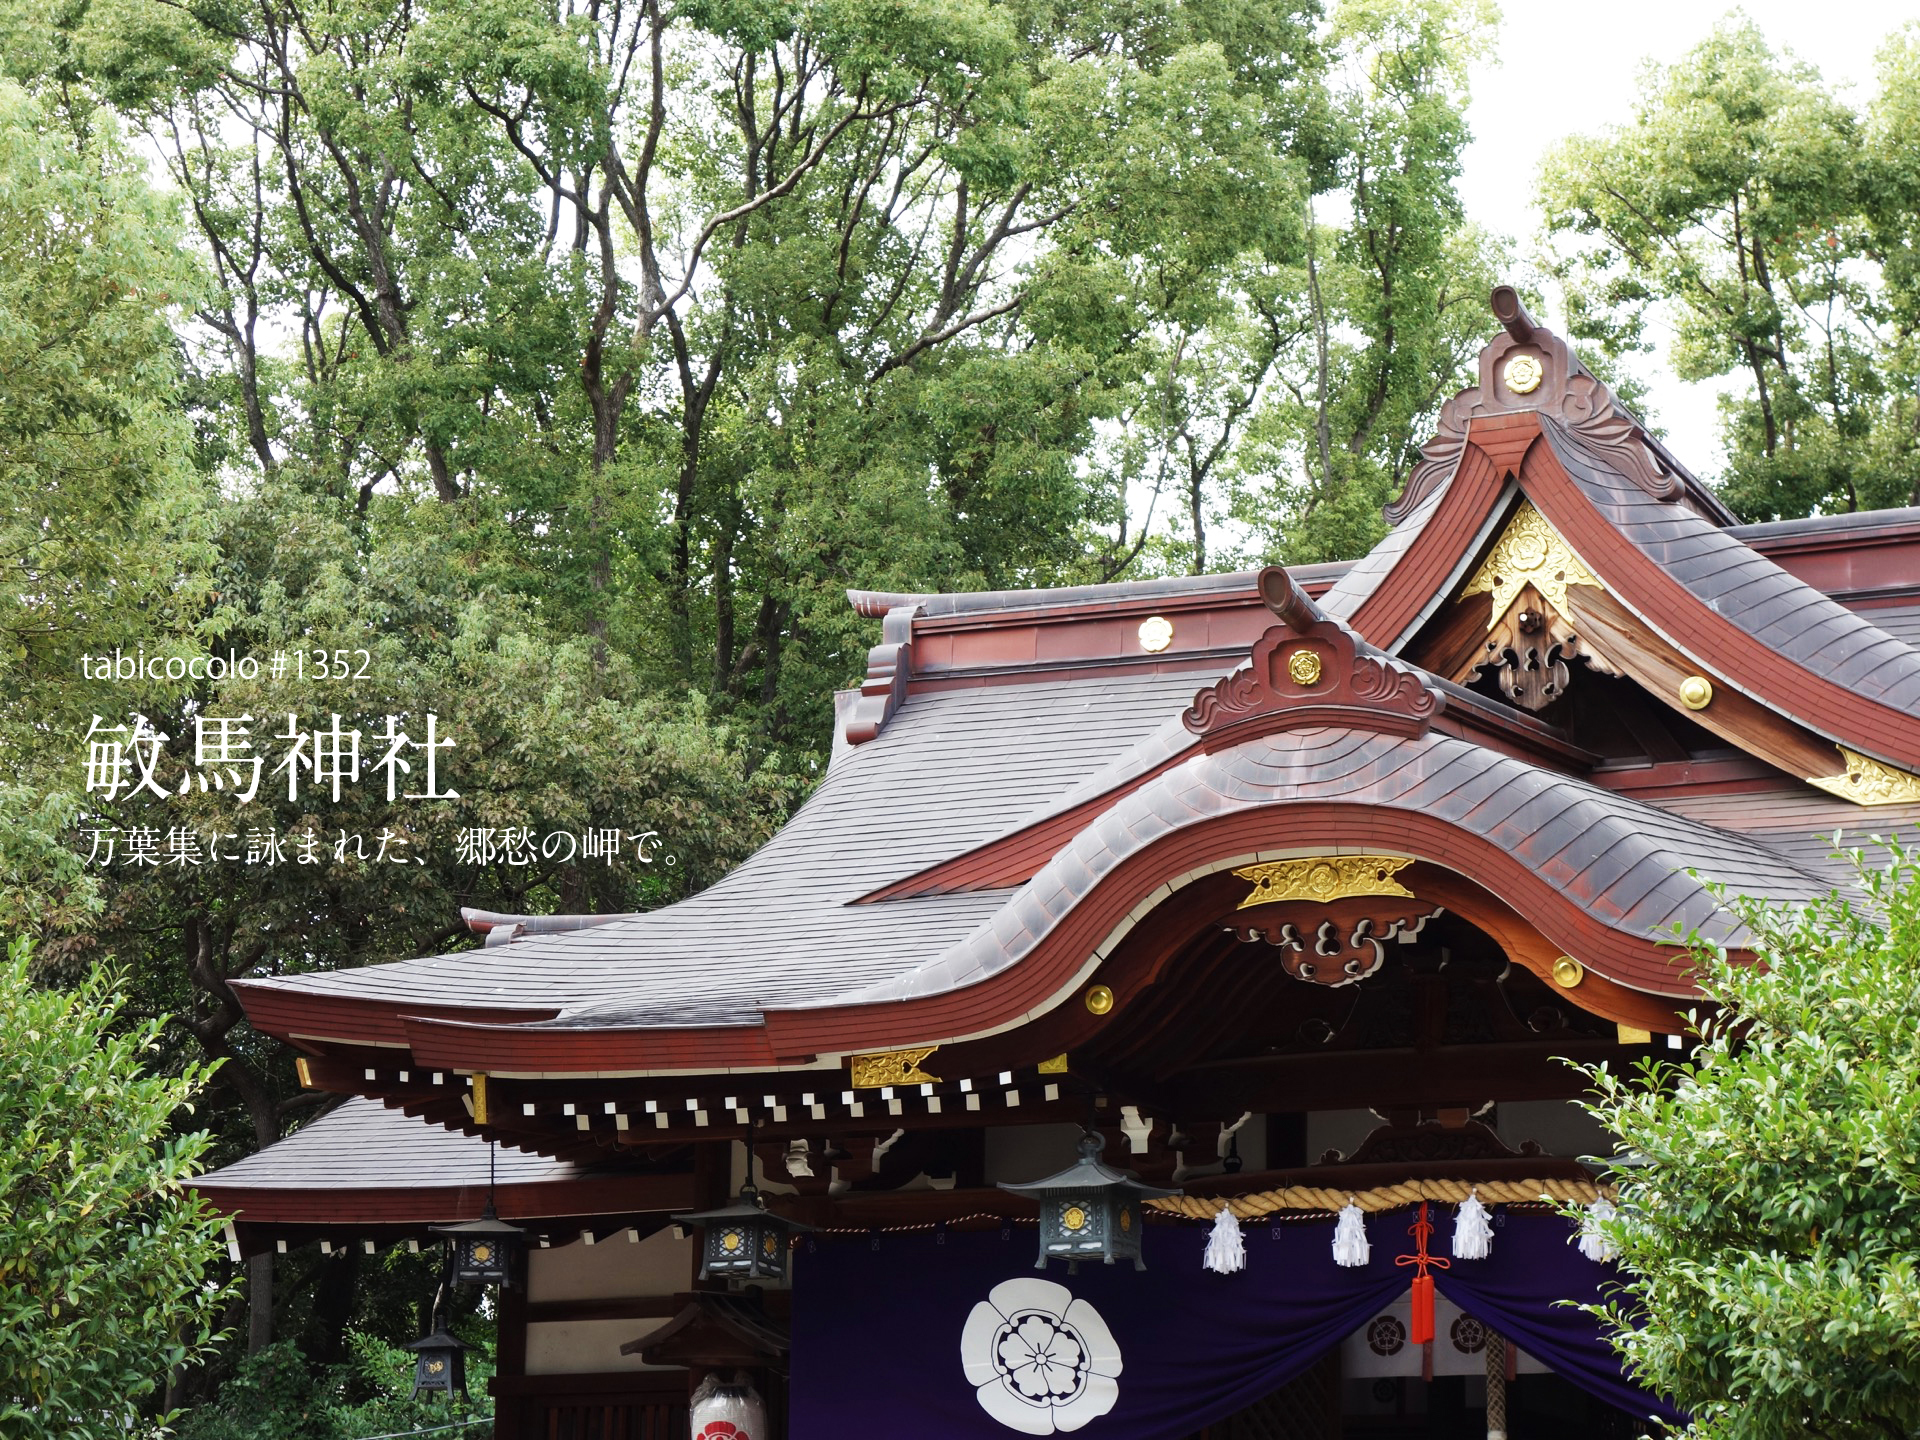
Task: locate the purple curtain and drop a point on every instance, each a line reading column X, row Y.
column 926, row 1335
column 1518, row 1290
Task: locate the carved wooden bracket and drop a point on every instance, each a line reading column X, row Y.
column 1335, row 944
column 1310, row 670
column 1532, row 644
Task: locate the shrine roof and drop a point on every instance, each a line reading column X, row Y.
column 382, row 1169
column 1732, row 579
column 953, row 768
column 1023, row 772
column 362, row 1145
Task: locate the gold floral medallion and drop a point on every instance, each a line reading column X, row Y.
column 1524, row 374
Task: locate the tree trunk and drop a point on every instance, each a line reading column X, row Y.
column 259, row 1302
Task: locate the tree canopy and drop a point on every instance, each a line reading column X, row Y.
column 1770, row 1221
column 103, row 1254
column 1774, row 223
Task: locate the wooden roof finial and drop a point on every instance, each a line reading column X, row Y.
column 1512, row 313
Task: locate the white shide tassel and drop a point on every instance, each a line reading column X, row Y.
column 1595, row 1243
column 1350, row 1238
column 1226, row 1249
column 1472, row 1234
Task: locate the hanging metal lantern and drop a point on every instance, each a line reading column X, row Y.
column 1090, row 1211
column 728, row 1410
column 483, row 1249
column 743, row 1241
column 440, row 1365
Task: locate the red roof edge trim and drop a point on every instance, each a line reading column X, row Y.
column 1421, row 573
column 284, row 1011
column 1036, row 980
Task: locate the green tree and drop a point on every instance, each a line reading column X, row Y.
column 103, row 1255
column 275, row 1395
column 1377, row 321
column 1769, row 221
column 699, row 314
column 1770, row 1225
column 103, row 519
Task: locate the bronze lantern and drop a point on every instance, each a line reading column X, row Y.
column 440, row 1365
column 744, row 1240
column 483, row 1249
column 1090, row 1211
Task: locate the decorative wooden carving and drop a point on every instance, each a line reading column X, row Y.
column 1866, row 781
column 1336, row 946
column 1560, row 388
column 1310, row 670
column 891, row 1067
column 1428, row 1141
column 1323, row 878
column 1532, row 644
column 1530, row 636
column 1529, row 552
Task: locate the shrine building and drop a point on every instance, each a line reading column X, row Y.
column 1258, row 915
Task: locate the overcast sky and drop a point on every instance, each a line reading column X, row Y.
column 1570, row 68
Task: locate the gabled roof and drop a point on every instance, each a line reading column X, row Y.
column 1660, row 547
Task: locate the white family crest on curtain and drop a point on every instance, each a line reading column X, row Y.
column 1039, row 1360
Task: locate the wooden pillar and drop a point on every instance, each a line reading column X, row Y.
column 1496, row 1386
column 510, row 1353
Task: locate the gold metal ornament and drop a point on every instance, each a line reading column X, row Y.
column 1099, row 999
column 1303, row 666
column 1696, row 692
column 1074, row 1218
column 1529, row 552
column 1524, row 374
column 1324, row 877
column 891, row 1067
column 1568, row 972
column 1633, row 1034
column 1866, row 781
column 1156, row 633
column 1057, row 1065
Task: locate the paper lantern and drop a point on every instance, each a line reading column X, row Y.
column 728, row 1410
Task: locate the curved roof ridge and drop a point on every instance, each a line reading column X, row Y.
column 1630, row 856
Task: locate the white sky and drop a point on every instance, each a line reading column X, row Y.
column 1567, row 68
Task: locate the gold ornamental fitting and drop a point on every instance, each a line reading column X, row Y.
column 1696, row 692
column 1524, row 374
column 1156, row 633
column 1099, row 999
column 1568, row 972
column 1304, row 668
